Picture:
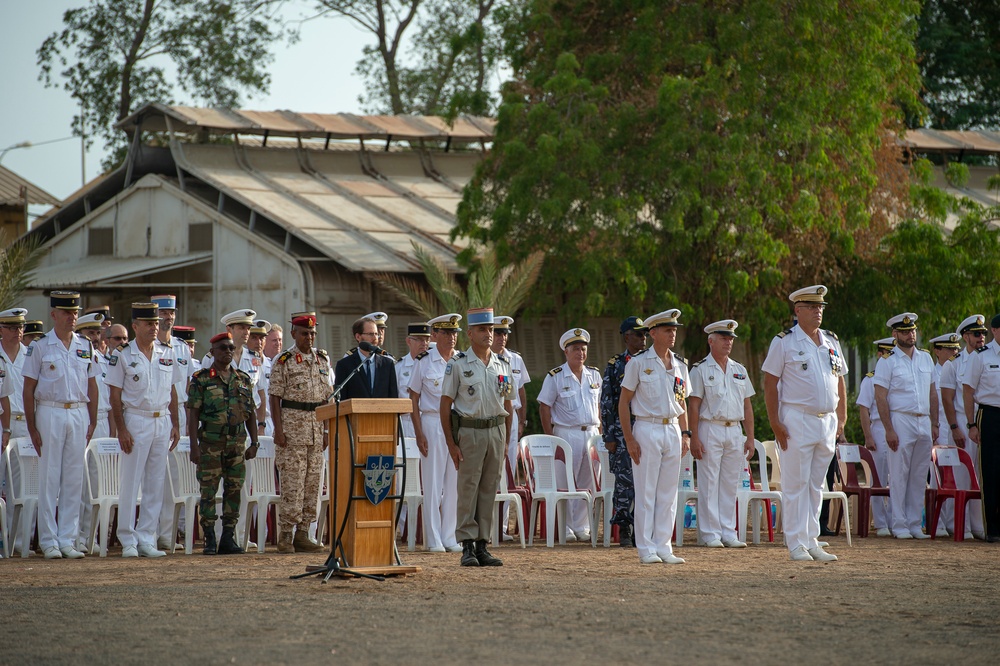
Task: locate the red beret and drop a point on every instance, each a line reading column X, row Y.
column 221, row 336
column 305, row 321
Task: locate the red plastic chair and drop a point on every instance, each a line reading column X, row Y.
column 947, row 488
column 851, row 485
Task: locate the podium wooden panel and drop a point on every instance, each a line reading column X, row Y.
column 370, row 531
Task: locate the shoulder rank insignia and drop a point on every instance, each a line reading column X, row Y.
column 459, row 354
column 978, row 351
column 890, row 352
column 831, row 334
column 784, row 333
column 641, row 351
column 697, row 363
column 555, row 371
column 164, row 344
column 121, row 346
column 681, row 359
column 322, row 354
column 423, row 354
column 614, row 359
column 285, row 355
column 200, row 373
column 594, row 369
column 870, row 374
column 923, row 350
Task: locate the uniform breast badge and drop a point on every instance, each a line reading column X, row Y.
column 472, row 390
column 503, row 384
column 680, row 389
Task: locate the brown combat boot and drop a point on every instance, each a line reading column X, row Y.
column 285, row 542
column 303, row 544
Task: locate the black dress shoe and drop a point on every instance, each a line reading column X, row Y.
column 826, row 531
column 992, row 538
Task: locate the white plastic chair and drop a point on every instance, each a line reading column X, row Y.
column 683, row 498
column 413, row 494
column 604, row 484
column 842, row 496
column 541, row 450
column 3, row 528
column 25, row 495
column 750, row 504
column 771, row 449
column 323, row 502
column 263, row 493
column 185, row 493
column 504, row 495
column 103, row 454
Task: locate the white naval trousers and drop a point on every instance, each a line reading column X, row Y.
column 811, row 444
column 143, row 467
column 19, row 428
column 655, row 478
column 440, row 481
column 908, row 467
column 60, row 473
column 881, row 507
column 578, row 518
column 718, row 475
column 102, row 429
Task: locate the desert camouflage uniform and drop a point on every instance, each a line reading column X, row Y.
column 222, row 436
column 303, row 382
column 619, row 461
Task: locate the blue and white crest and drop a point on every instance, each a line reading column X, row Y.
column 378, row 477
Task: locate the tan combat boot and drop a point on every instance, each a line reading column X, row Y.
column 303, row 544
column 285, row 542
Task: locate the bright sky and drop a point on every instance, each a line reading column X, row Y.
column 314, row 75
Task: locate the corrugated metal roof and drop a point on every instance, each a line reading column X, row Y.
column 14, row 190
column 952, row 141
column 93, row 271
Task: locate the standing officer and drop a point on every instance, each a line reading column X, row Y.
column 273, row 343
column 105, row 311
column 654, row 391
column 973, row 333
column 220, row 416
column 300, row 382
column 475, row 415
column 12, row 353
column 418, row 340
column 719, row 402
column 238, row 324
column 981, row 387
column 807, row 412
column 906, row 397
column 568, row 407
column 377, row 379
column 381, row 320
column 944, row 348
column 91, row 327
column 634, row 335
column 871, row 426
column 519, row 371
column 255, row 343
column 438, row 477
column 186, row 335
column 142, row 377
column 60, row 407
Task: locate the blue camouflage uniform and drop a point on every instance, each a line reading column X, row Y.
column 621, row 464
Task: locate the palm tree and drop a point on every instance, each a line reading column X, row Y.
column 17, row 263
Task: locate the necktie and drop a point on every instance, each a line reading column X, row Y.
column 370, row 373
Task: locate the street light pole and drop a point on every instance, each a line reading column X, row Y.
column 22, row 144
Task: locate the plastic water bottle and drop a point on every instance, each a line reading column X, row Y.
column 687, row 479
column 745, row 479
column 690, row 517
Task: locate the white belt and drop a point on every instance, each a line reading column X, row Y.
column 61, row 405
column 17, row 416
column 728, row 424
column 576, row 427
column 818, row 415
column 657, row 419
column 143, row 412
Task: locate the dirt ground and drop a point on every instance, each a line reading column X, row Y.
column 885, row 601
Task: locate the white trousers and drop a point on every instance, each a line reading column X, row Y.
column 718, row 475
column 578, row 515
column 908, row 467
column 60, row 473
column 19, row 428
column 144, row 467
column 811, row 442
column 440, row 481
column 655, row 478
column 881, row 507
column 102, row 429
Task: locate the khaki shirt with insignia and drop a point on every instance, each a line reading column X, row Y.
column 477, row 389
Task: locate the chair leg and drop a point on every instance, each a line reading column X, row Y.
column 936, row 502
column 864, row 513
column 189, row 526
column 960, row 502
column 262, row 527
column 531, row 523
column 550, row 517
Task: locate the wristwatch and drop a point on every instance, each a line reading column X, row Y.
column 954, row 426
column 971, row 425
column 686, row 432
column 257, row 444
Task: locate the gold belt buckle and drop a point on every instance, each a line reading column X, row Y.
column 821, row 414
column 18, row 417
column 157, row 415
column 666, row 421
column 729, row 424
column 67, row 405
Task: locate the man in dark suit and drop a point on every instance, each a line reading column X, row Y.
column 377, row 379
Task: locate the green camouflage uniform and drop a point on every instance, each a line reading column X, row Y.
column 222, row 435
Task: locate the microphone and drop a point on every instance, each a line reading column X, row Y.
column 369, row 347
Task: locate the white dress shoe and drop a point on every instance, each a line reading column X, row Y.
column 883, row 532
column 454, row 548
column 714, row 543
column 650, row 559
column 821, row 555
column 583, row 535
column 968, row 536
column 570, row 537
column 436, row 549
column 904, row 535
column 71, row 553
column 979, row 535
column 920, row 535
column 130, row 551
column 146, row 550
column 670, row 558
column 822, row 544
column 734, row 543
column 801, row 554
column 506, row 537
column 52, row 553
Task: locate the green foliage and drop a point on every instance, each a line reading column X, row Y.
column 114, row 55
column 708, row 156
column 17, row 263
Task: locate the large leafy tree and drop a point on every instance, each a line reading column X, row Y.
column 706, row 155
column 113, row 55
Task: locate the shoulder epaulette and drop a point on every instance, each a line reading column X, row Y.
column 389, row 356
column 422, row 355
column 784, row 333
column 243, row 373
column 641, row 351
column 502, row 359
column 199, row 373
column 832, row 335
column 697, row 363
column 597, row 370
column 680, row 358
column 555, row 371
column 513, row 352
column 459, row 355
column 165, row 344
column 255, row 353
column 350, row 351
column 926, row 351
column 285, row 355
column 121, row 346
column 981, row 349
column 890, row 353
column 870, row 374
column 323, row 354
column 614, row 359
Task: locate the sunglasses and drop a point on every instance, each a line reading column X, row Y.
column 977, row 334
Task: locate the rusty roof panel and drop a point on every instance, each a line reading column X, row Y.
column 12, row 186
column 277, row 122
column 464, row 128
column 343, row 126
column 406, row 127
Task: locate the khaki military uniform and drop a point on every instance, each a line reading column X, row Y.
column 303, row 382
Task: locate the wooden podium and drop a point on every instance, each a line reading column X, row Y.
column 366, row 428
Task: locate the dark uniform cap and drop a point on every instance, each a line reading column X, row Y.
column 418, row 329
column 185, row 333
column 633, row 323
column 145, row 312
column 104, row 310
column 34, row 326
column 65, row 300
column 996, row 321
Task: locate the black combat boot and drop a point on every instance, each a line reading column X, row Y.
column 227, row 544
column 625, row 537
column 210, row 547
column 469, row 558
column 484, row 557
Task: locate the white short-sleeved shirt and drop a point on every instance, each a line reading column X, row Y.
column 658, row 392
column 519, row 371
column 6, row 383
column 866, row 398
column 427, row 378
column 250, row 362
column 908, row 381
column 62, row 374
column 103, row 392
column 983, row 375
column 952, row 375
column 404, row 370
column 723, row 392
column 574, row 402
column 15, row 378
column 145, row 383
column 809, row 373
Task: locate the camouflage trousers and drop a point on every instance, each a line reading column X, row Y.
column 300, row 470
column 221, row 459
column 623, row 499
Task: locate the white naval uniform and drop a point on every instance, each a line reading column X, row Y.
column 62, row 419
column 659, row 395
column 952, row 376
column 102, row 429
column 437, row 472
column 18, row 428
column 146, row 386
column 519, row 374
column 182, row 355
column 404, row 370
column 881, row 508
column 723, row 392
column 808, row 396
column 909, row 382
column 575, row 410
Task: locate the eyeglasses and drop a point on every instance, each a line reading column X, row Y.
column 117, row 337
column 13, row 327
column 977, row 334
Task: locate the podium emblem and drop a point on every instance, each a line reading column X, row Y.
column 378, row 473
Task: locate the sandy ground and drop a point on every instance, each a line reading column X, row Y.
column 885, row 601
